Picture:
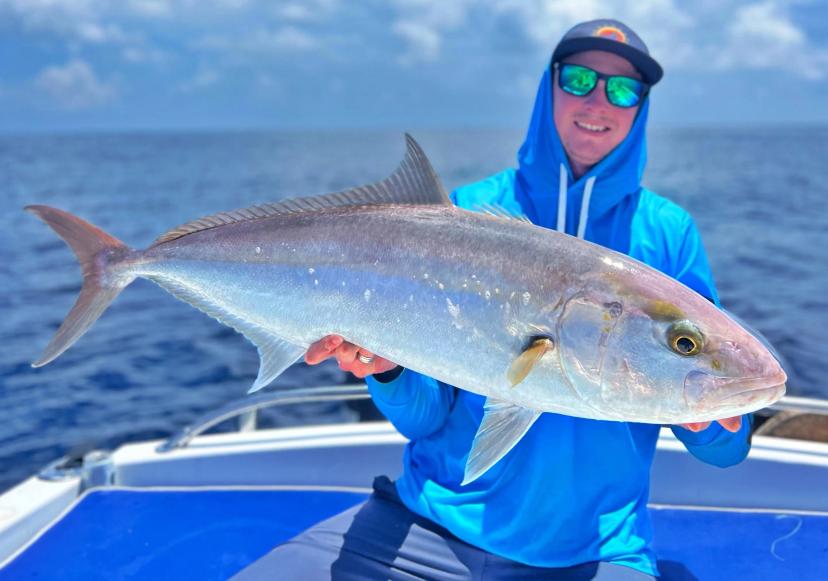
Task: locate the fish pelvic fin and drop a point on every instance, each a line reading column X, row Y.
column 503, row 425
column 96, row 251
column 414, row 182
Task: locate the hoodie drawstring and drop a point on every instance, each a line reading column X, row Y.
column 562, row 195
column 562, row 200
column 582, row 221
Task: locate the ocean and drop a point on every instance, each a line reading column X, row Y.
column 152, row 364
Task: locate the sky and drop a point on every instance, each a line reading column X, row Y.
column 97, row 65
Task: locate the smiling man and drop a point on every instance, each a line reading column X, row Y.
column 588, row 124
column 569, row 501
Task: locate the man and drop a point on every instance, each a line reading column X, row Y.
column 569, row 500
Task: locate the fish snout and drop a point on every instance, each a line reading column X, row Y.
column 704, row 392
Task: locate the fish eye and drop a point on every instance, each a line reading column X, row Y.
column 685, row 339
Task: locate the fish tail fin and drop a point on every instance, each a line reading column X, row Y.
column 96, row 251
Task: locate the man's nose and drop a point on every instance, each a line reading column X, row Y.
column 598, row 96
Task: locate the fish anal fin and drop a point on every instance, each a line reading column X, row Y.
column 526, row 361
column 503, row 425
column 275, row 353
column 414, row 182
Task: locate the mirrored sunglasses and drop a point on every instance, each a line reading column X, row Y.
column 580, row 81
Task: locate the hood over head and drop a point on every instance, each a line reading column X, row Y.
column 544, row 170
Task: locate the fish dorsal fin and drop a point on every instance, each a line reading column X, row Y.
column 503, row 425
column 275, row 353
column 502, row 212
column 413, row 182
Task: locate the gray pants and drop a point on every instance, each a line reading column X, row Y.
column 382, row 539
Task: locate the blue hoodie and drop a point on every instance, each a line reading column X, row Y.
column 572, row 490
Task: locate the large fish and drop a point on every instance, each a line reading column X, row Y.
column 536, row 320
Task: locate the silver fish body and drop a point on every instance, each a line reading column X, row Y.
column 457, row 295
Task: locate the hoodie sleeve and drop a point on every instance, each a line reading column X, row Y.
column 689, row 263
column 415, row 404
column 717, row 446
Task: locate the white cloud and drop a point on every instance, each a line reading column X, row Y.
column 658, row 22
column 74, row 85
column 723, row 34
column 263, row 41
column 151, row 8
column 545, row 21
column 73, row 19
column 294, row 12
column 285, row 38
column 306, row 11
column 203, row 78
column 766, row 21
column 422, row 24
column 423, row 42
column 141, row 55
column 763, row 36
column 95, row 33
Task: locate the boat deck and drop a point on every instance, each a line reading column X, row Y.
column 212, row 533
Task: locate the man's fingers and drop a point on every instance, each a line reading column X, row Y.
column 696, row 426
column 346, row 353
column 731, row 424
column 378, row 365
column 322, row 349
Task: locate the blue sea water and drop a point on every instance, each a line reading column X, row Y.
column 153, row 364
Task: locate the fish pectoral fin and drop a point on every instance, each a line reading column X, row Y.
column 522, row 366
column 275, row 355
column 503, row 425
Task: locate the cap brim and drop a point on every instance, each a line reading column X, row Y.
column 644, row 63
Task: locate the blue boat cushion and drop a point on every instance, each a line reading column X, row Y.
column 212, row 534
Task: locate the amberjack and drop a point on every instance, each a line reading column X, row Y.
column 534, row 320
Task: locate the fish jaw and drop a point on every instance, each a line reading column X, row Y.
column 714, row 397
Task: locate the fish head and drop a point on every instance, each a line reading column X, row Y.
column 656, row 351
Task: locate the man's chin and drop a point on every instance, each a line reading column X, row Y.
column 585, row 156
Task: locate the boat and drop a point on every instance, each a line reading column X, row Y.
column 202, row 505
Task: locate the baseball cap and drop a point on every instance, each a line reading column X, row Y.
column 610, row 36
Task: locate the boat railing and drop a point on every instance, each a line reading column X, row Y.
column 94, row 466
column 246, row 409
column 808, row 405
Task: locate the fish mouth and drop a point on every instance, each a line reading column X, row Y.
column 752, row 383
column 710, row 392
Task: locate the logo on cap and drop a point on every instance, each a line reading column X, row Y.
column 612, row 33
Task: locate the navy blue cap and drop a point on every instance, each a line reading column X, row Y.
column 610, row 36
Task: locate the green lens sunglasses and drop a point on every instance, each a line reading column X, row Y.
column 580, row 81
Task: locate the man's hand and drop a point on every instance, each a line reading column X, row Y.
column 729, row 424
column 347, row 355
